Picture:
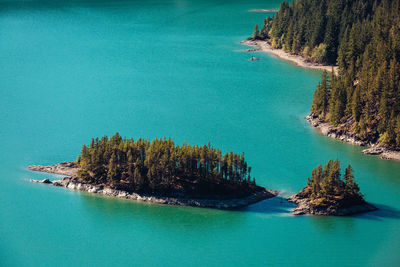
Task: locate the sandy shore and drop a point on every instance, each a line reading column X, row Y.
column 300, row 61
column 264, row 10
column 72, row 182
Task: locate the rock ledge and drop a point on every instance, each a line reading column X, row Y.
column 72, row 182
column 304, row 206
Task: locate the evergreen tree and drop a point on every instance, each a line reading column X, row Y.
column 162, row 167
column 326, row 185
column 363, row 38
column 351, row 186
column 256, row 32
column 112, row 169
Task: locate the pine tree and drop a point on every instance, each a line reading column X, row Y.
column 160, row 166
column 256, row 33
column 351, row 187
column 321, row 96
column 326, row 185
column 112, row 169
column 363, row 38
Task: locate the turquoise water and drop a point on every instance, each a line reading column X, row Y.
column 72, row 70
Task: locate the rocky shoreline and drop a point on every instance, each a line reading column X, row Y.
column 325, row 128
column 304, row 206
column 64, row 168
column 72, row 182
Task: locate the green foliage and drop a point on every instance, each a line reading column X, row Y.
column 319, row 53
column 363, row 38
column 306, row 52
column 256, row 33
column 161, row 166
column 321, row 96
column 351, row 186
column 327, row 185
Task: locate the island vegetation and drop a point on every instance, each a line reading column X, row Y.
column 161, row 167
column 362, row 37
column 160, row 172
column 327, row 193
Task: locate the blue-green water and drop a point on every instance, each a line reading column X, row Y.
column 72, row 70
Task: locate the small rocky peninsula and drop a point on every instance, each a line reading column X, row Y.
column 160, row 172
column 327, row 194
column 70, row 169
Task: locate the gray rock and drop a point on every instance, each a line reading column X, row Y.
column 374, row 150
column 305, row 207
column 75, row 184
column 44, row 181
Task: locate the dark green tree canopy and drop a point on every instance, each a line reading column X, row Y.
column 161, row 167
column 326, row 186
column 363, row 38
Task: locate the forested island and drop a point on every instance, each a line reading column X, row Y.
column 361, row 103
column 327, row 193
column 162, row 172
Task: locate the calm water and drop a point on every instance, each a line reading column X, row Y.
column 72, row 70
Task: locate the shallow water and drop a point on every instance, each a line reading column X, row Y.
column 72, row 70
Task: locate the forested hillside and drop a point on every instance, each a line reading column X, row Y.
column 362, row 37
column 164, row 168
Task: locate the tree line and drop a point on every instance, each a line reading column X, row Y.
column 362, row 37
column 162, row 167
column 326, row 184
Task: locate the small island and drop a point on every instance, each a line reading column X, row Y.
column 327, row 194
column 160, row 172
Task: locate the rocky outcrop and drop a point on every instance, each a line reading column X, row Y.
column 44, row 181
column 344, row 135
column 305, row 206
column 383, row 153
column 76, row 184
column 63, row 168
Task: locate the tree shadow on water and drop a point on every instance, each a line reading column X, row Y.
column 279, row 205
column 270, row 206
column 383, row 212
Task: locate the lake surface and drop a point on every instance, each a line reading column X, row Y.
column 72, row 70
